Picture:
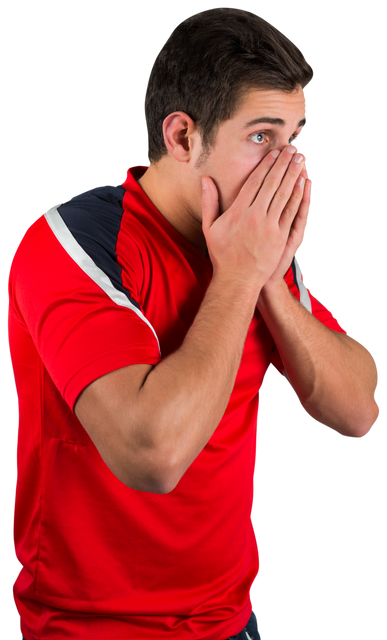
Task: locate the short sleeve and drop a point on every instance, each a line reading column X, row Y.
column 82, row 324
column 295, row 282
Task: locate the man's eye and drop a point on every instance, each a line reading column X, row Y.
column 259, row 138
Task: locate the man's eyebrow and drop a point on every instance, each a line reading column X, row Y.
column 267, row 120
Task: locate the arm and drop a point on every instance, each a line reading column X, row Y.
column 185, row 396
column 333, row 375
column 162, row 417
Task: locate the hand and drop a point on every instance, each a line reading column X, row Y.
column 301, row 193
column 246, row 243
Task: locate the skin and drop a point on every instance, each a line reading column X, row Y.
column 176, row 189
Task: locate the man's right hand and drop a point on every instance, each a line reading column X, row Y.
column 247, row 241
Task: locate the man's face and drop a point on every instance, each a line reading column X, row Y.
column 242, row 141
column 174, row 184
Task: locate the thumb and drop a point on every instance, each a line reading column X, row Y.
column 210, row 204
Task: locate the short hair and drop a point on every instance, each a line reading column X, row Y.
column 208, row 64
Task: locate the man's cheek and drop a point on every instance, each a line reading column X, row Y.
column 230, row 191
column 259, row 156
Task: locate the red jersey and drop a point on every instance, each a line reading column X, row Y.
column 102, row 282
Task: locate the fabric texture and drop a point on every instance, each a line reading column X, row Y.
column 250, row 632
column 99, row 283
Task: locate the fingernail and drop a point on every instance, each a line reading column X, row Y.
column 275, row 153
column 300, row 181
column 298, row 158
column 292, row 149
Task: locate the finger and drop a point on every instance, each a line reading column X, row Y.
column 274, row 178
column 255, row 180
column 297, row 230
column 307, row 188
column 287, row 186
column 292, row 213
column 306, row 170
column 210, row 203
column 299, row 222
column 305, row 164
column 305, row 202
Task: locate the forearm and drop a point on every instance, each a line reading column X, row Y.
column 333, row 376
column 184, row 397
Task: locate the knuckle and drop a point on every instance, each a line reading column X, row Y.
column 294, row 169
column 288, row 213
column 254, row 182
column 270, row 184
column 297, row 196
column 282, row 195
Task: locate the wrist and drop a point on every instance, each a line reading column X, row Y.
column 273, row 290
column 231, row 286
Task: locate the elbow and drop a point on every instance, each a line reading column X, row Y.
column 168, row 473
column 360, row 423
column 354, row 421
column 165, row 457
column 154, row 481
column 167, row 485
column 160, row 486
column 162, row 475
column 363, row 424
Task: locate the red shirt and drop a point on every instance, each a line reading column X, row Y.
column 100, row 283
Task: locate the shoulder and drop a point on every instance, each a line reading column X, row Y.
column 96, row 213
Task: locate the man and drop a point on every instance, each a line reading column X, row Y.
column 143, row 318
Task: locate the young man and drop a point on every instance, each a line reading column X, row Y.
column 143, row 318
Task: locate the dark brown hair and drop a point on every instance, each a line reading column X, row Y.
column 207, row 65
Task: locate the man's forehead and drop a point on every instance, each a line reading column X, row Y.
column 273, row 107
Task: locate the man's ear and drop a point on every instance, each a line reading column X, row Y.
column 179, row 132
